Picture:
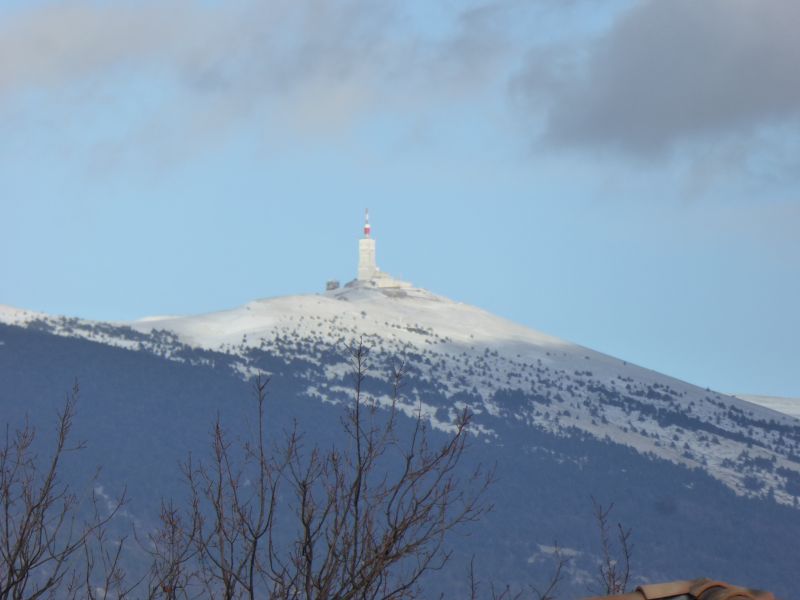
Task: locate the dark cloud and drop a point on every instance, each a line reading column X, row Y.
column 662, row 72
column 668, row 72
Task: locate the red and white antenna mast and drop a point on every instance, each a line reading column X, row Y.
column 367, row 228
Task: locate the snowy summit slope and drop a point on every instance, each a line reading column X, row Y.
column 403, row 316
column 787, row 406
column 461, row 356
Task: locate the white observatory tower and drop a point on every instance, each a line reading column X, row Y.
column 367, row 269
column 369, row 275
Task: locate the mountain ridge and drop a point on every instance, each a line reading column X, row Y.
column 492, row 356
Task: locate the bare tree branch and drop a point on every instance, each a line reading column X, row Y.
column 41, row 534
column 615, row 563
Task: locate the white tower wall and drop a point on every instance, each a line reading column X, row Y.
column 367, row 269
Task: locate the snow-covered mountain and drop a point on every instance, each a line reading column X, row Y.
column 562, row 421
column 465, row 352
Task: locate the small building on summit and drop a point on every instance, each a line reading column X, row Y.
column 369, row 275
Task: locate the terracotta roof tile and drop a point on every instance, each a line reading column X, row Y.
column 697, row 589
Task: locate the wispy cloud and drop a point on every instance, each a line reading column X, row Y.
column 324, row 61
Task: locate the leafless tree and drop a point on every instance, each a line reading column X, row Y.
column 615, row 563
column 362, row 521
column 42, row 535
column 233, row 505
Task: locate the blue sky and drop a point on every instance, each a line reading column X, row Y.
column 621, row 174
